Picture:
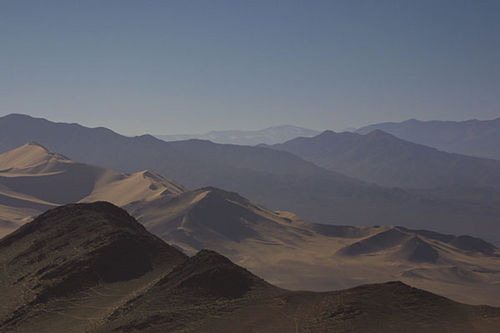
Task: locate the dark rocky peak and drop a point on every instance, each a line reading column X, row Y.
column 76, row 246
column 213, row 274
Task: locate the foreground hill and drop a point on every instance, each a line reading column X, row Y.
column 472, row 137
column 93, row 268
column 296, row 254
column 384, row 159
column 271, row 135
column 77, row 261
column 279, row 180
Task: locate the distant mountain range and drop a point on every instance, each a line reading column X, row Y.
column 384, row 159
column 271, row 135
column 472, row 137
column 278, row 180
column 93, row 268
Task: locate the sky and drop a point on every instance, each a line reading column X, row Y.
column 170, row 67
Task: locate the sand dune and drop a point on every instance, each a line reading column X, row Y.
column 279, row 246
column 32, row 179
column 296, row 254
column 94, row 268
column 32, row 158
column 277, row 179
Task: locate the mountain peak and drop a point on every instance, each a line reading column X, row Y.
column 378, row 133
column 91, row 243
column 70, row 217
column 210, row 273
column 470, row 137
column 36, row 145
column 30, row 155
column 17, row 116
column 327, row 133
column 223, row 194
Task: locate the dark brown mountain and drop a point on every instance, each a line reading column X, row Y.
column 93, row 268
column 388, row 307
column 472, row 137
column 77, row 260
column 384, row 159
column 278, row 180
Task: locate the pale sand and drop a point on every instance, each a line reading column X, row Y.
column 33, row 180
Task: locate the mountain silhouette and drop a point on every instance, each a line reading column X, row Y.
column 472, row 137
column 384, row 159
column 278, row 180
column 270, row 135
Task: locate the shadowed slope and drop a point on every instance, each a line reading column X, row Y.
column 417, row 250
column 384, row 159
column 32, row 179
column 207, row 293
column 381, row 241
column 417, row 245
column 214, row 218
column 471, row 137
column 75, row 248
column 31, row 170
column 209, row 273
column 388, row 307
column 293, row 253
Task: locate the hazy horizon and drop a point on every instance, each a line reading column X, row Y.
column 239, row 166
column 231, row 129
column 178, row 67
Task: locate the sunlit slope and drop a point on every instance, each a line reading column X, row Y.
column 32, row 179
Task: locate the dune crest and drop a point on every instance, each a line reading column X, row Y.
column 33, row 179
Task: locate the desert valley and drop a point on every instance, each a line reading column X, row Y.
column 249, row 166
column 287, row 250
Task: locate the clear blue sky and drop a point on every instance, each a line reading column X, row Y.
column 169, row 67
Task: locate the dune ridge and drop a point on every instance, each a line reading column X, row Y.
column 32, row 179
column 279, row 246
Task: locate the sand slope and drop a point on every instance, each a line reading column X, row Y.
column 32, row 179
column 293, row 253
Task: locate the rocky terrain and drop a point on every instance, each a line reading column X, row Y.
column 93, row 268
